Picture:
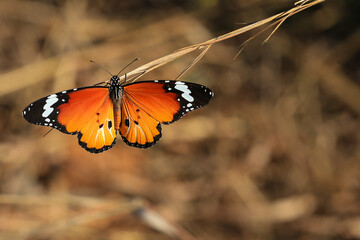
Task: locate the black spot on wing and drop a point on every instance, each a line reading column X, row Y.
column 127, row 122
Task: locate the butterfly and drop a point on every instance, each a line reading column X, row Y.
column 134, row 110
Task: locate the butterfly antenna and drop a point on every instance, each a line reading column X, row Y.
column 92, row 61
column 128, row 65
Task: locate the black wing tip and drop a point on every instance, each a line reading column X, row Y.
column 33, row 116
column 148, row 144
column 209, row 94
column 95, row 150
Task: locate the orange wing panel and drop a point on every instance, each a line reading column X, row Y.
column 153, row 99
column 81, row 106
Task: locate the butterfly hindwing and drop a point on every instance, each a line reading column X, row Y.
column 138, row 128
column 96, row 131
column 147, row 104
column 85, row 111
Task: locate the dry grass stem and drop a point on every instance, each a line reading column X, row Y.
column 281, row 17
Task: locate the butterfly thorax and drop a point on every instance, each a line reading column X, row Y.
column 115, row 88
column 116, row 93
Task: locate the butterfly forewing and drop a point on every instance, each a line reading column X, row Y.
column 147, row 104
column 167, row 101
column 85, row 111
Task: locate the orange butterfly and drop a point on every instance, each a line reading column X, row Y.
column 135, row 110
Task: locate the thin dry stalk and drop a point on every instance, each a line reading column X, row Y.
column 279, row 18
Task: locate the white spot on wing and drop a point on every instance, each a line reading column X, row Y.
column 47, row 107
column 186, row 92
column 47, row 119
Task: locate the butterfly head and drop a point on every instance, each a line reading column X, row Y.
column 115, row 80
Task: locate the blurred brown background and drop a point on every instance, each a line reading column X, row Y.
column 275, row 155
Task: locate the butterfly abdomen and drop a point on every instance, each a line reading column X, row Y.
column 116, row 94
column 117, row 115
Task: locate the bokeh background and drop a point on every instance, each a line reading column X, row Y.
column 275, row 155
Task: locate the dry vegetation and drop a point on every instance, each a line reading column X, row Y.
column 275, row 155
